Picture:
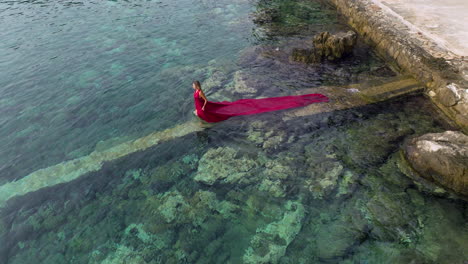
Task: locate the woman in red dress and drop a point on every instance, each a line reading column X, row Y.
column 218, row 111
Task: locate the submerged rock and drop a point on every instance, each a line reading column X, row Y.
column 326, row 46
column 270, row 243
column 373, row 143
column 205, row 205
column 391, row 217
column 441, row 158
column 123, row 255
column 336, row 239
column 441, row 240
column 173, row 207
column 240, row 84
column 214, row 81
column 266, row 135
column 266, row 15
column 324, row 178
column 274, row 176
column 225, row 165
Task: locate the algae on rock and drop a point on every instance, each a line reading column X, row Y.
column 269, row 244
column 174, row 207
column 324, row 176
column 225, row 165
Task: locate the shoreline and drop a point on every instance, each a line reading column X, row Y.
column 423, row 54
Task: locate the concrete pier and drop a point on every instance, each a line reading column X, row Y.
column 445, row 22
column 425, row 38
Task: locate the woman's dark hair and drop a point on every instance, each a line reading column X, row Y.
column 197, row 84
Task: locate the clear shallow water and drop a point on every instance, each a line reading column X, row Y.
column 76, row 73
column 75, row 77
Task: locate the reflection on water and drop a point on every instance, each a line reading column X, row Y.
column 82, row 76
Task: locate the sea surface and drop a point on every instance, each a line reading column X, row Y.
column 81, row 80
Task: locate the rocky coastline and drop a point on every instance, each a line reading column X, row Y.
column 441, row 70
column 429, row 164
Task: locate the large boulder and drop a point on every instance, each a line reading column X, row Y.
column 441, row 158
column 326, row 46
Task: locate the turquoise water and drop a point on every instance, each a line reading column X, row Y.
column 78, row 77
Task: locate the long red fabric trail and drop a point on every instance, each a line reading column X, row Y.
column 219, row 111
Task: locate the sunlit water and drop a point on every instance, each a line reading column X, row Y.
column 77, row 77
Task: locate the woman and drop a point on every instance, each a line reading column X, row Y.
column 198, row 91
column 219, row 111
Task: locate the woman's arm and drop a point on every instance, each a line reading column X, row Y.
column 202, row 95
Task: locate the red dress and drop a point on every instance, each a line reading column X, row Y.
column 219, row 111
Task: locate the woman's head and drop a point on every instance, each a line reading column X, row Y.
column 196, row 85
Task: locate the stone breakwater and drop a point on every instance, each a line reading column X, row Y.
column 73, row 169
column 424, row 56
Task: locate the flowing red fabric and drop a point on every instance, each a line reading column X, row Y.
column 219, row 111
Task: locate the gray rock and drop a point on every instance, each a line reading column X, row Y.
column 441, row 158
column 449, row 95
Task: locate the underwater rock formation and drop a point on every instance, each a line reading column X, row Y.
column 214, row 81
column 240, row 84
column 391, row 217
column 270, row 138
column 324, row 177
column 228, row 166
column 204, row 205
column 223, row 165
column 276, row 172
column 373, row 143
column 266, row 16
column 270, row 243
column 335, row 239
column 173, row 207
column 326, row 46
column 441, row 158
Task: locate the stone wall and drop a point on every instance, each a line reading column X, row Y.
column 396, row 40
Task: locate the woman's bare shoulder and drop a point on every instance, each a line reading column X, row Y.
column 202, row 93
